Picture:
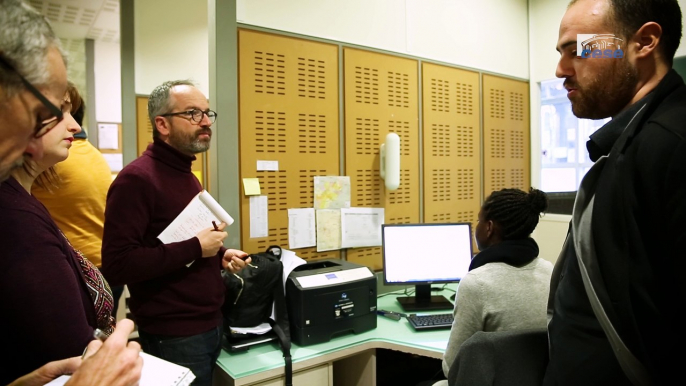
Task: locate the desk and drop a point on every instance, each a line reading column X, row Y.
column 349, row 359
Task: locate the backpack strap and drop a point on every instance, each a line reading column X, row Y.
column 285, row 343
column 281, row 325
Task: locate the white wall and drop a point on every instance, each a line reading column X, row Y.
column 487, row 35
column 171, row 43
column 681, row 51
column 107, row 63
column 550, row 235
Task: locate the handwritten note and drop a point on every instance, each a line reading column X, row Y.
column 198, row 215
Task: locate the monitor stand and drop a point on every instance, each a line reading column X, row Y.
column 423, row 301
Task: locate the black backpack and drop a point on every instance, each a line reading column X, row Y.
column 250, row 295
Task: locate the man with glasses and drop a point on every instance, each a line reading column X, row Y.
column 176, row 289
column 33, row 80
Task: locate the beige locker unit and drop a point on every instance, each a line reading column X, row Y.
column 381, row 97
column 452, row 144
column 288, row 112
column 506, row 133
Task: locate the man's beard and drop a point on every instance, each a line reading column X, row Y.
column 189, row 143
column 607, row 93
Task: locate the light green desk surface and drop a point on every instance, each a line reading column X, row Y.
column 389, row 334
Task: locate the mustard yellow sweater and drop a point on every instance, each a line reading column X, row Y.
column 78, row 203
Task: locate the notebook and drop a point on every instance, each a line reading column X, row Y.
column 156, row 372
column 198, row 215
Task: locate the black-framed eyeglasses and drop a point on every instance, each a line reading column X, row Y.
column 195, row 114
column 57, row 115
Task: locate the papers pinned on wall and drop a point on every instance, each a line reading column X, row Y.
column 301, row 228
column 331, row 192
column 108, row 136
column 328, row 229
column 259, row 219
column 361, row 227
column 115, row 161
column 251, row 186
column 271, row 166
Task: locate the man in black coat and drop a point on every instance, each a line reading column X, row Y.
column 637, row 225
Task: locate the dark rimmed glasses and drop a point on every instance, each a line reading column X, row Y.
column 57, row 115
column 196, row 115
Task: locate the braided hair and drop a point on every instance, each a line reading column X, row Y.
column 516, row 211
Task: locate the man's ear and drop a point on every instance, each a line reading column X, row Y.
column 162, row 125
column 647, row 38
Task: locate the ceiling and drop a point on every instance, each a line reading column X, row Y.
column 82, row 19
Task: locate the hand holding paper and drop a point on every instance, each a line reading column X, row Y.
column 195, row 218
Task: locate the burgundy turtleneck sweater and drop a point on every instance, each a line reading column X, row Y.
column 167, row 298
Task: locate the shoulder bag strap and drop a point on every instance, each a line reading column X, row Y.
column 285, row 344
column 595, row 288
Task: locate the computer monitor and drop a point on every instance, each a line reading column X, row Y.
column 425, row 254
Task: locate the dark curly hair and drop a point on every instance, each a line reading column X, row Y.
column 516, row 211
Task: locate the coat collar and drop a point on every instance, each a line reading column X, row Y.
column 617, row 134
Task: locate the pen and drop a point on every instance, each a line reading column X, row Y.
column 97, row 334
column 391, row 314
column 100, row 335
column 214, row 224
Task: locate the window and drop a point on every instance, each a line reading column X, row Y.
column 564, row 158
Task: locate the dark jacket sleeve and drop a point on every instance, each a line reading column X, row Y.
column 129, row 253
column 675, row 212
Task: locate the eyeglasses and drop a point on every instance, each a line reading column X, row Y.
column 57, row 116
column 195, row 114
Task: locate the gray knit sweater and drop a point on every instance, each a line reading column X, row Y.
column 498, row 297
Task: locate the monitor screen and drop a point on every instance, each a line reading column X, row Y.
column 423, row 254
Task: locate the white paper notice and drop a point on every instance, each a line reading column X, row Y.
column 361, row 227
column 116, row 161
column 328, row 229
column 301, row 228
column 259, row 221
column 272, row 166
column 108, row 136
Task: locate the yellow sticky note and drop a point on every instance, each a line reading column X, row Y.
column 198, row 174
column 251, row 186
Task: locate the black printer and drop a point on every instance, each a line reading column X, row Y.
column 330, row 297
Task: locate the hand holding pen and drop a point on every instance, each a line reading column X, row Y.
column 234, row 260
column 115, row 361
column 211, row 239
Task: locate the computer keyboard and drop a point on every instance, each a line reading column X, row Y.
column 431, row 322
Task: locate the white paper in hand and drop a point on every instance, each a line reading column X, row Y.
column 156, row 372
column 198, row 215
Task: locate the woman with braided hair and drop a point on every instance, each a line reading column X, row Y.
column 507, row 284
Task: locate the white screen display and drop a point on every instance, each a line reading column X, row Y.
column 426, row 252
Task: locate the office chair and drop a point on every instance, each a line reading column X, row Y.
column 501, row 358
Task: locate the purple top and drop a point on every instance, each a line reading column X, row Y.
column 47, row 312
column 167, row 298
